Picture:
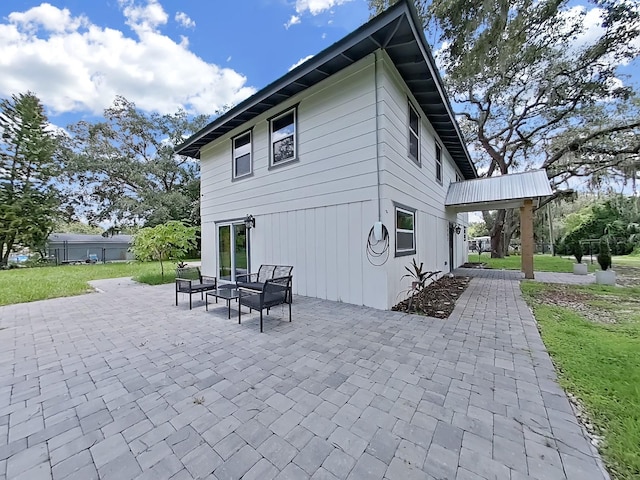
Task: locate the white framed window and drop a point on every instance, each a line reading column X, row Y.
column 405, row 231
column 414, row 134
column 283, row 138
column 438, row 163
column 242, row 155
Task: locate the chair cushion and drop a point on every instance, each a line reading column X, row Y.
column 258, row 286
column 185, row 287
column 250, row 300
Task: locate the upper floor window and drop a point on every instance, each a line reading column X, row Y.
column 242, row 164
column 414, row 135
column 405, row 231
column 438, row 163
column 283, row 137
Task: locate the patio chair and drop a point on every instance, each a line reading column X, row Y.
column 256, row 281
column 275, row 291
column 190, row 280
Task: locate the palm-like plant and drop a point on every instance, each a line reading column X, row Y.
column 419, row 279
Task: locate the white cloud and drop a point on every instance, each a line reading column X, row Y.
column 75, row 65
column 294, row 20
column 300, row 62
column 316, row 7
column 184, row 20
column 144, row 18
column 48, row 17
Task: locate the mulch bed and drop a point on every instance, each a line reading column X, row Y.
column 438, row 299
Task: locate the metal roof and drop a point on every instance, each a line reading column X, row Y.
column 397, row 31
column 504, row 191
column 84, row 238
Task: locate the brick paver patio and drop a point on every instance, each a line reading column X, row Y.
column 123, row 384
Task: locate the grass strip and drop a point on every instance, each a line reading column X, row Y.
column 600, row 365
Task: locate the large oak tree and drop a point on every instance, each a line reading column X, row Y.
column 124, row 169
column 537, row 86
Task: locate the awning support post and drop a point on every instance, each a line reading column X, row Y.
column 526, row 237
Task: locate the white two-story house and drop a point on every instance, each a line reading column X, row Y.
column 343, row 164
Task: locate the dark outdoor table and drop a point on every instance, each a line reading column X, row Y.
column 227, row 293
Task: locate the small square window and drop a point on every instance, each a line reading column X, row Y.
column 438, row 163
column 405, row 231
column 414, row 135
column 283, row 138
column 242, row 164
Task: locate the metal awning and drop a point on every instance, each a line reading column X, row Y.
column 398, row 32
column 493, row 193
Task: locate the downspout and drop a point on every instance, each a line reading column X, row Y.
column 375, row 82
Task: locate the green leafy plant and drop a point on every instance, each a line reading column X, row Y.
column 171, row 240
column 604, row 257
column 419, row 279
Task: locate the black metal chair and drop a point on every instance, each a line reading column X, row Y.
column 275, row 291
column 255, row 281
column 189, row 280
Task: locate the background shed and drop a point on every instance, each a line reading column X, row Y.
column 74, row 247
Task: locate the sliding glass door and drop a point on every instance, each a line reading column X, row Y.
column 233, row 252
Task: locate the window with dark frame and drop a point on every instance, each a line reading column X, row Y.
column 438, row 163
column 405, row 231
column 242, row 164
column 283, row 137
column 414, row 134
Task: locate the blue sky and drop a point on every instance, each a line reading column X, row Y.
column 76, row 55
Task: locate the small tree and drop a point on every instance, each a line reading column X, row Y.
column 577, row 250
column 604, row 256
column 171, row 240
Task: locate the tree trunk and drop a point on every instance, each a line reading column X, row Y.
column 497, row 240
column 511, row 224
column 4, row 261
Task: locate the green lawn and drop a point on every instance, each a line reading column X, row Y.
column 599, row 363
column 626, row 260
column 541, row 263
column 31, row 284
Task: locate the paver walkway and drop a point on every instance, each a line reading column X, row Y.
column 123, row 384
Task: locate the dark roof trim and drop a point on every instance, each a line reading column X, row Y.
column 398, row 32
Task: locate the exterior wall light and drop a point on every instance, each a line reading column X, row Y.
column 249, row 222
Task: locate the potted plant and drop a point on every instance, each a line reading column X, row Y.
column 579, row 268
column 606, row 276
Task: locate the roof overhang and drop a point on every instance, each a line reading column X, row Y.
column 494, row 193
column 396, row 31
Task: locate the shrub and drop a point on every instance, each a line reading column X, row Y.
column 576, row 249
column 604, row 257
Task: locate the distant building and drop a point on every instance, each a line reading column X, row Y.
column 74, row 247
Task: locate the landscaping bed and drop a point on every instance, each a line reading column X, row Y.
column 438, row 299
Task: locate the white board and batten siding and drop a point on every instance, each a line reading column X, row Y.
column 314, row 213
column 407, row 183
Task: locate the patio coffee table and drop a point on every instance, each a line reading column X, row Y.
column 227, row 293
